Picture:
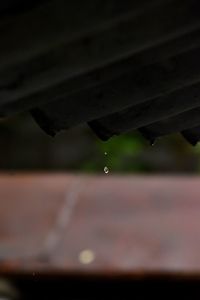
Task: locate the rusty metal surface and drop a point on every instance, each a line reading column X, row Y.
column 99, row 225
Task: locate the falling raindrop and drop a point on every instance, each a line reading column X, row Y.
column 106, row 170
column 152, row 142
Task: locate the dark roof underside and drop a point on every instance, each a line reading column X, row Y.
column 118, row 65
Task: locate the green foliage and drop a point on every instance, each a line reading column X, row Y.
column 121, row 154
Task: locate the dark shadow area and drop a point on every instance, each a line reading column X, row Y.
column 90, row 288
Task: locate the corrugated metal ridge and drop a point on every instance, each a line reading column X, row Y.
column 148, row 112
column 145, row 85
column 119, row 66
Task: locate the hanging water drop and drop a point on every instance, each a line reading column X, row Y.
column 106, row 170
column 152, row 142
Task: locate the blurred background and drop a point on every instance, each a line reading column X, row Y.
column 24, row 146
column 66, row 235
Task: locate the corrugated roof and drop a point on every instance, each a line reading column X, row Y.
column 119, row 66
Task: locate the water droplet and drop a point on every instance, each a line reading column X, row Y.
column 152, row 142
column 86, row 256
column 105, row 153
column 106, row 170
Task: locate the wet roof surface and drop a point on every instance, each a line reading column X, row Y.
column 120, row 66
